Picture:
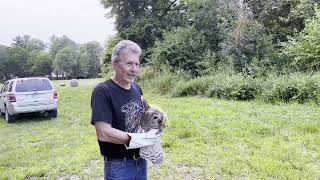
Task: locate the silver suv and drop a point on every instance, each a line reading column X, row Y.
column 28, row 95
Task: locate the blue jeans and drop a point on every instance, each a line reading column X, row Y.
column 125, row 169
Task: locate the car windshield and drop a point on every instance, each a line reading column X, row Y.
column 26, row 85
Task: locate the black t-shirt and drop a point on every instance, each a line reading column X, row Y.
column 119, row 107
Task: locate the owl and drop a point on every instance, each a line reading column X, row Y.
column 152, row 118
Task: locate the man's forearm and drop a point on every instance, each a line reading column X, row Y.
column 117, row 136
column 105, row 132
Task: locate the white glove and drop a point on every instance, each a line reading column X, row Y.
column 139, row 140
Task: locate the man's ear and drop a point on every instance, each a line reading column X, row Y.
column 113, row 65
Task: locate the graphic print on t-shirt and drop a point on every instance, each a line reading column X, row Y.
column 133, row 112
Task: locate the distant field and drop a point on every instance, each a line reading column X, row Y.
column 205, row 139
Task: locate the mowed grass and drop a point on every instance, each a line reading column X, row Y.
column 204, row 139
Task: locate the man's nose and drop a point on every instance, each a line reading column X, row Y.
column 135, row 67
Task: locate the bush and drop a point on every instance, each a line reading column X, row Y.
column 245, row 90
column 298, row 87
column 147, row 73
column 159, row 82
column 197, row 86
column 236, row 87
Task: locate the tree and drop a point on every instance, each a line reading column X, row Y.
column 304, row 48
column 4, row 59
column 58, row 43
column 143, row 21
column 28, row 43
column 183, row 49
column 281, row 18
column 205, row 17
column 66, row 62
column 40, row 64
column 90, row 59
column 17, row 64
column 106, row 54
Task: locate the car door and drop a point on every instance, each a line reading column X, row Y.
column 3, row 94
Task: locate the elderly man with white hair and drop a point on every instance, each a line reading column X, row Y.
column 116, row 110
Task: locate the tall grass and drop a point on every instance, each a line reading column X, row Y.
column 297, row 87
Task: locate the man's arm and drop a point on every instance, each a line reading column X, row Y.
column 105, row 132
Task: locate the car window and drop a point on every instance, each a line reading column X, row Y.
column 26, row 85
column 6, row 87
column 10, row 86
column 3, row 88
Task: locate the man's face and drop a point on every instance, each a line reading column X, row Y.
column 127, row 67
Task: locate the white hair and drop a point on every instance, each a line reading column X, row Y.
column 123, row 46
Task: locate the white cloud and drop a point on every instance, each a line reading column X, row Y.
column 81, row 20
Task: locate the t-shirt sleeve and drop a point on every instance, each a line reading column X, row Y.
column 101, row 106
column 139, row 89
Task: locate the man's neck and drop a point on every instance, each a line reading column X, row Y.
column 121, row 84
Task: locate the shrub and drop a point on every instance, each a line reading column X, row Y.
column 159, row 82
column 197, row 86
column 236, row 87
column 297, row 87
column 147, row 73
column 245, row 90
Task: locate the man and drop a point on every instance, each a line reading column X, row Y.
column 116, row 110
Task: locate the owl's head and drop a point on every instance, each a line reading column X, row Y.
column 153, row 118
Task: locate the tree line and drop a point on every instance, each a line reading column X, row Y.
column 61, row 58
column 253, row 37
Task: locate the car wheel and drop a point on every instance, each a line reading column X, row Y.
column 9, row 118
column 53, row 113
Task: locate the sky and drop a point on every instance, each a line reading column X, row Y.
column 80, row 20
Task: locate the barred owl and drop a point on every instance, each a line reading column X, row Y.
column 152, row 118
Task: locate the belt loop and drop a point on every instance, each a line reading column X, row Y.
column 125, row 159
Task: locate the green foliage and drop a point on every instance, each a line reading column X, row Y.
column 196, row 36
column 105, row 57
column 65, row 64
column 40, row 64
column 143, row 21
column 235, row 87
column 221, row 86
column 183, row 49
column 89, row 61
column 249, row 48
column 300, row 88
column 18, row 59
column 204, row 15
column 147, row 73
column 193, row 87
column 282, row 18
column 304, row 48
column 4, row 59
column 28, row 43
column 58, row 43
column 161, row 82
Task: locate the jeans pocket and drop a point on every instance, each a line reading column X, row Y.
column 114, row 165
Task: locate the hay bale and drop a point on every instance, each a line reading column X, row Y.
column 74, row 83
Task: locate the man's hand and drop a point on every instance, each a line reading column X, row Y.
column 139, row 140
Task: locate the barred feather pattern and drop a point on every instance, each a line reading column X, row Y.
column 152, row 118
column 153, row 153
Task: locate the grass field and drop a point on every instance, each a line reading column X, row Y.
column 205, row 139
